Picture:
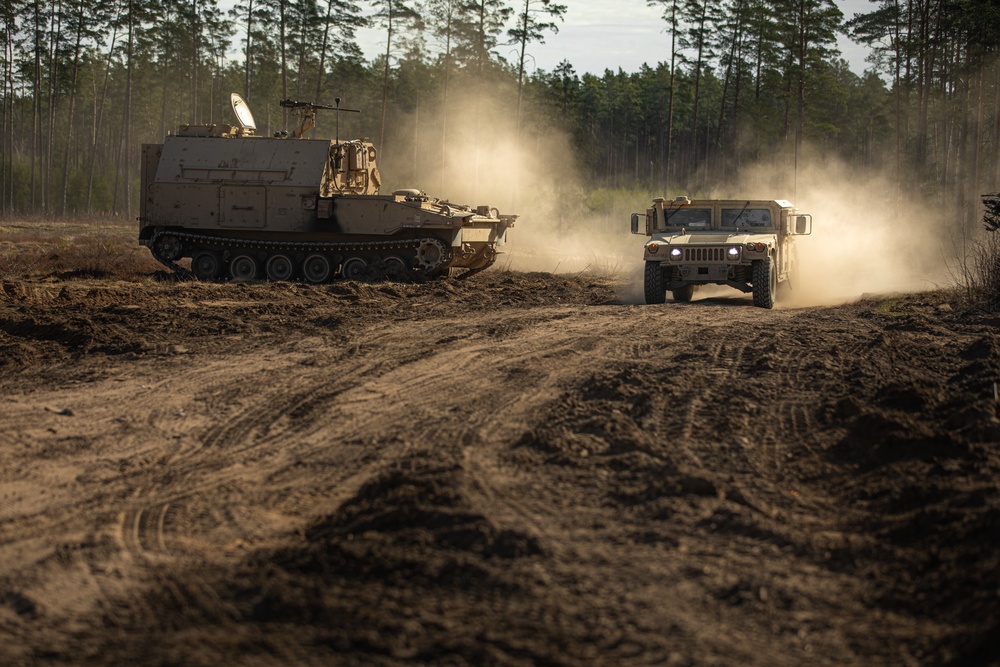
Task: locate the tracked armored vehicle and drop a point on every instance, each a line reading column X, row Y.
column 243, row 207
column 747, row 245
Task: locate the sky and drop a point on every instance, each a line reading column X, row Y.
column 609, row 34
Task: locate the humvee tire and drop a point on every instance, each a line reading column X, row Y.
column 684, row 294
column 655, row 290
column 765, row 282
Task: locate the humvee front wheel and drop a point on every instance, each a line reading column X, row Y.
column 683, row 294
column 765, row 282
column 654, row 289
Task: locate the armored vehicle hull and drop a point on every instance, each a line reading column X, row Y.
column 243, row 207
column 747, row 245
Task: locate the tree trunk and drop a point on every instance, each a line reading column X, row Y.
column 55, row 38
column 520, row 67
column 801, row 89
column 977, row 145
column 195, row 60
column 36, row 108
column 444, row 96
column 247, row 56
column 167, row 55
column 670, row 98
column 385, row 72
column 728, row 76
column 99, row 115
column 124, row 171
column 7, row 159
column 996, row 125
column 898, row 110
column 697, row 82
column 72, row 108
column 322, row 50
column 284, row 59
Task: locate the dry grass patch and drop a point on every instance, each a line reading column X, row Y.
column 85, row 247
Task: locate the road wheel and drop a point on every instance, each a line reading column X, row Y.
column 395, row 269
column 280, row 267
column 354, row 268
column 316, row 269
column 765, row 282
column 243, row 268
column 683, row 294
column 655, row 290
column 206, row 265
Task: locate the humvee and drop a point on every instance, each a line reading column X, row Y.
column 745, row 244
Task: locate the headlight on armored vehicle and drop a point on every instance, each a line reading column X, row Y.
column 676, row 253
column 734, row 253
column 652, row 248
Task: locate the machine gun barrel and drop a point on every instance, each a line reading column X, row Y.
column 307, row 110
column 295, row 104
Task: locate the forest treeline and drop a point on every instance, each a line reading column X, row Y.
column 730, row 84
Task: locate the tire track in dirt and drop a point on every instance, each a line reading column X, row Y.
column 359, row 419
column 496, row 412
column 366, row 403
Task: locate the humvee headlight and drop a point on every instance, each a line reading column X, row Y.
column 675, row 253
column 653, row 248
column 734, row 253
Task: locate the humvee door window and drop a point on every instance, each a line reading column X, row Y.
column 750, row 217
column 690, row 217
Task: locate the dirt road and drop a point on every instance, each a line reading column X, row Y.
column 514, row 469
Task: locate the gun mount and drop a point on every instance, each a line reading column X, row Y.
column 307, row 114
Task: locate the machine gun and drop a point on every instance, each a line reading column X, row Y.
column 307, row 113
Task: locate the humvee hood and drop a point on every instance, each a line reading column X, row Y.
column 714, row 238
column 694, row 239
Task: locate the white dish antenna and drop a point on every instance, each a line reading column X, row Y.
column 242, row 112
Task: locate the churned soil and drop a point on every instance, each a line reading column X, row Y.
column 515, row 469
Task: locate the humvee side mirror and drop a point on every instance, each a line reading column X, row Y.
column 635, row 223
column 803, row 224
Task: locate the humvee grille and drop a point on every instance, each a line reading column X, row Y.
column 704, row 254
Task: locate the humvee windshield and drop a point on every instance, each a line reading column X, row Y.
column 697, row 218
column 750, row 217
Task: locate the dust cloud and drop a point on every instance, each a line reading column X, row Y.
column 866, row 239
column 473, row 154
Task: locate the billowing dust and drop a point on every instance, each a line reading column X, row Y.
column 866, row 239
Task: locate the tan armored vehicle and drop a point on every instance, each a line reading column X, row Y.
column 243, row 207
column 747, row 245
